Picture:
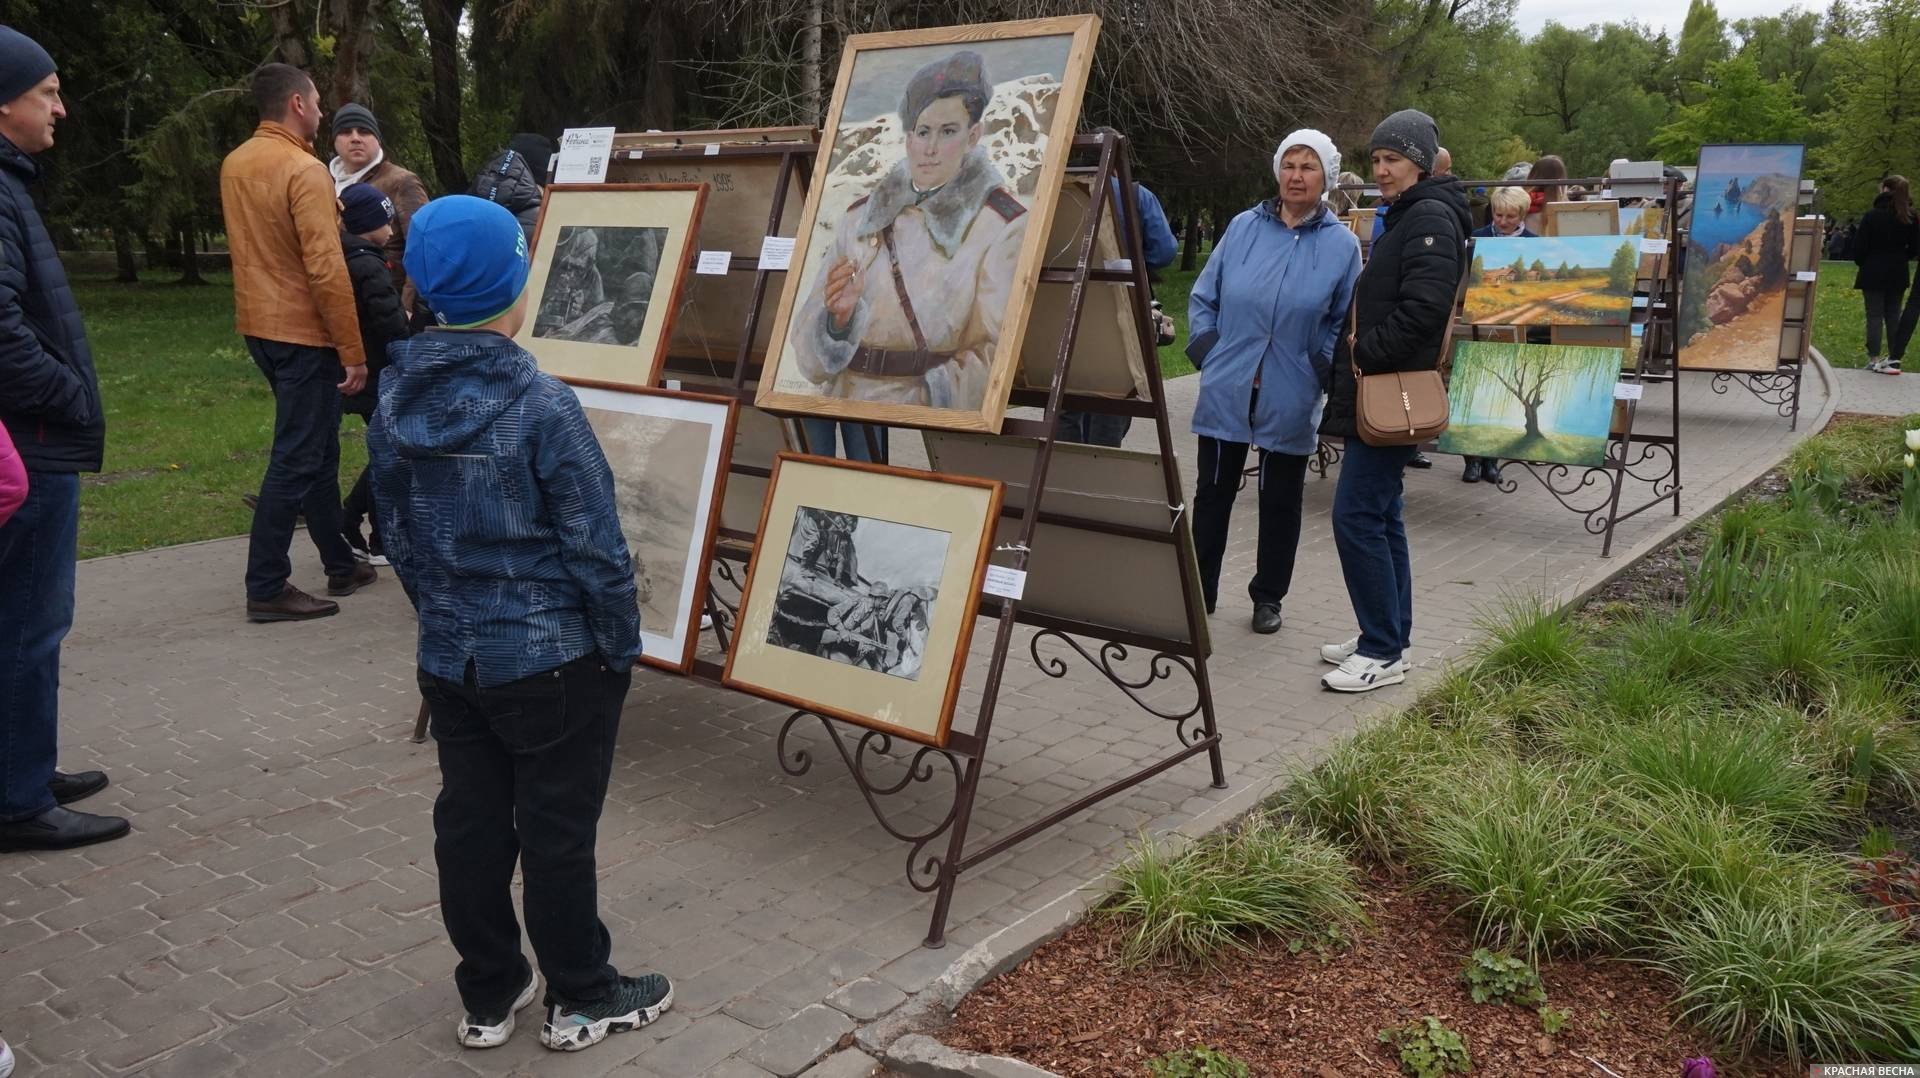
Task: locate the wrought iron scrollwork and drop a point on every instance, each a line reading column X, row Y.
column 1161, row 666
column 1325, row 456
column 1780, row 388
column 725, row 611
column 924, row 766
column 1589, row 491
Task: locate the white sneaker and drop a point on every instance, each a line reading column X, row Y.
column 1339, row 653
column 1881, row 365
column 475, row 1031
column 1361, row 674
column 378, row 560
column 6, row 1060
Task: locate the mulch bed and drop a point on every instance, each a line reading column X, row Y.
column 1072, row 1009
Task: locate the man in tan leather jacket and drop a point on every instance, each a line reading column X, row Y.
column 293, row 302
column 921, row 270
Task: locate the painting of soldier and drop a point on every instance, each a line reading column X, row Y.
column 916, row 257
column 859, row 591
column 603, row 295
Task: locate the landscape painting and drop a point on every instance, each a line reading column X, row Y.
column 1733, row 300
column 913, row 269
column 1539, row 402
column 1568, row 281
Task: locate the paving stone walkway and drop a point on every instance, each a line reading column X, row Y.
column 274, row 912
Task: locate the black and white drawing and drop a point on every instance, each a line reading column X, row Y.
column 601, row 284
column 859, row 591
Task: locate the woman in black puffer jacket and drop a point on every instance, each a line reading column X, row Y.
column 1402, row 304
column 515, row 178
column 1882, row 247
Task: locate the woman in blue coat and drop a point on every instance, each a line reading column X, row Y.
column 1262, row 322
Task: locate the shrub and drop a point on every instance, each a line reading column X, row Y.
column 1429, row 1049
column 1228, row 889
column 1201, row 1062
column 1502, row 978
column 1536, row 868
column 1805, row 972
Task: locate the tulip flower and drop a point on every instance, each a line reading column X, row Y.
column 1913, row 440
column 1909, row 460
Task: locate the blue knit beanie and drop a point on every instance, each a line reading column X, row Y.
column 23, row 63
column 467, row 258
column 363, row 208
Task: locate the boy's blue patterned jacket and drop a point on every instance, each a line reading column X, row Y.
column 496, row 508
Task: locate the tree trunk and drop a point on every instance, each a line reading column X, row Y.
column 443, row 100
column 189, row 257
column 126, row 270
column 810, row 62
column 1190, row 244
column 657, row 100
column 1533, row 418
column 353, row 39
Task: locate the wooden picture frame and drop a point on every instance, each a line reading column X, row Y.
column 946, row 366
column 804, row 636
column 647, row 435
column 741, row 186
column 573, row 328
column 1594, row 217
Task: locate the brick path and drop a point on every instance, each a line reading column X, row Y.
column 274, row 911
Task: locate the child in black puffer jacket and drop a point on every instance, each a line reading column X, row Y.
column 366, row 220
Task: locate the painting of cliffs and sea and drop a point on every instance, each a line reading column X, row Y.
column 1734, row 297
column 914, row 265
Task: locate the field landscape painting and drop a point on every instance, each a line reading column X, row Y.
column 1734, row 297
column 1566, row 281
column 1540, row 402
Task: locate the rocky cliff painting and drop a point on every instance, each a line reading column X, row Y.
column 1733, row 298
column 913, row 272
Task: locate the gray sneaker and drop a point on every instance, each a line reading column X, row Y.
column 634, row 1002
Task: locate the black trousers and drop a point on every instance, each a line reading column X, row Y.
column 1883, row 308
column 1903, row 332
column 303, row 474
column 359, row 508
column 1281, row 485
column 523, row 774
column 1092, row 428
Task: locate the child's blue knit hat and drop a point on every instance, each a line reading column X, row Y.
column 467, row 258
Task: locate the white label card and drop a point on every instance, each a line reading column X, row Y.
column 714, row 263
column 1004, row 582
column 1651, row 246
column 776, row 252
column 1627, row 391
column 1640, row 301
column 1807, row 275
column 584, row 152
column 712, row 150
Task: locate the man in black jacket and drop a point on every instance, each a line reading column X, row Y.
column 366, row 224
column 50, row 402
column 514, row 178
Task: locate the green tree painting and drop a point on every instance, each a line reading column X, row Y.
column 1542, row 402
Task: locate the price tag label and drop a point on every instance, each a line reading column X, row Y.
column 776, row 252
column 673, row 384
column 584, row 152
column 712, row 150
column 1004, row 582
column 714, row 263
column 1627, row 391
column 1640, row 301
column 1652, row 246
column 1807, row 275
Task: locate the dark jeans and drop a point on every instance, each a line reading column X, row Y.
column 359, row 508
column 1904, row 331
column 1282, row 484
column 854, row 435
column 1092, row 428
column 1372, row 540
column 37, row 551
column 1883, row 307
column 523, row 773
column 303, row 475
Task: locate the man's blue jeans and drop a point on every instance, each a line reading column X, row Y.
column 37, row 551
column 1372, row 541
column 820, row 434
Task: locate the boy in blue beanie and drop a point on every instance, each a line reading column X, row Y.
column 366, row 224
column 497, row 509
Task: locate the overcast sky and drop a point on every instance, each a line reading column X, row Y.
column 1666, row 15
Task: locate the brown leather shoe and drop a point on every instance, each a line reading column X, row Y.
column 292, row 605
column 348, row 583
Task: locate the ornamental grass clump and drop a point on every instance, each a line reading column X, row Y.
column 1747, row 762
column 1376, row 786
column 1806, row 972
column 1683, row 849
column 1228, row 890
column 1526, row 641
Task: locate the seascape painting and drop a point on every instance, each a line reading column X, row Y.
column 1733, row 300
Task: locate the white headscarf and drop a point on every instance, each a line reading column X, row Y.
column 1321, row 145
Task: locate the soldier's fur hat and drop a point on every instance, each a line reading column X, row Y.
column 962, row 75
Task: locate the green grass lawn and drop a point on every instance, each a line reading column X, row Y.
column 1174, row 287
column 1840, row 317
column 189, row 418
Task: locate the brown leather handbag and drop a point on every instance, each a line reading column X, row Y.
column 1398, row 407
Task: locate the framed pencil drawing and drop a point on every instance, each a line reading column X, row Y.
column 669, row 453
column 913, row 273
column 1595, row 217
column 609, row 262
column 862, row 592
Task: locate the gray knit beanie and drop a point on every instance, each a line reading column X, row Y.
column 351, row 116
column 1410, row 133
column 23, row 63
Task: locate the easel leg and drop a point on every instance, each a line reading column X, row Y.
column 420, row 724
column 956, row 844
